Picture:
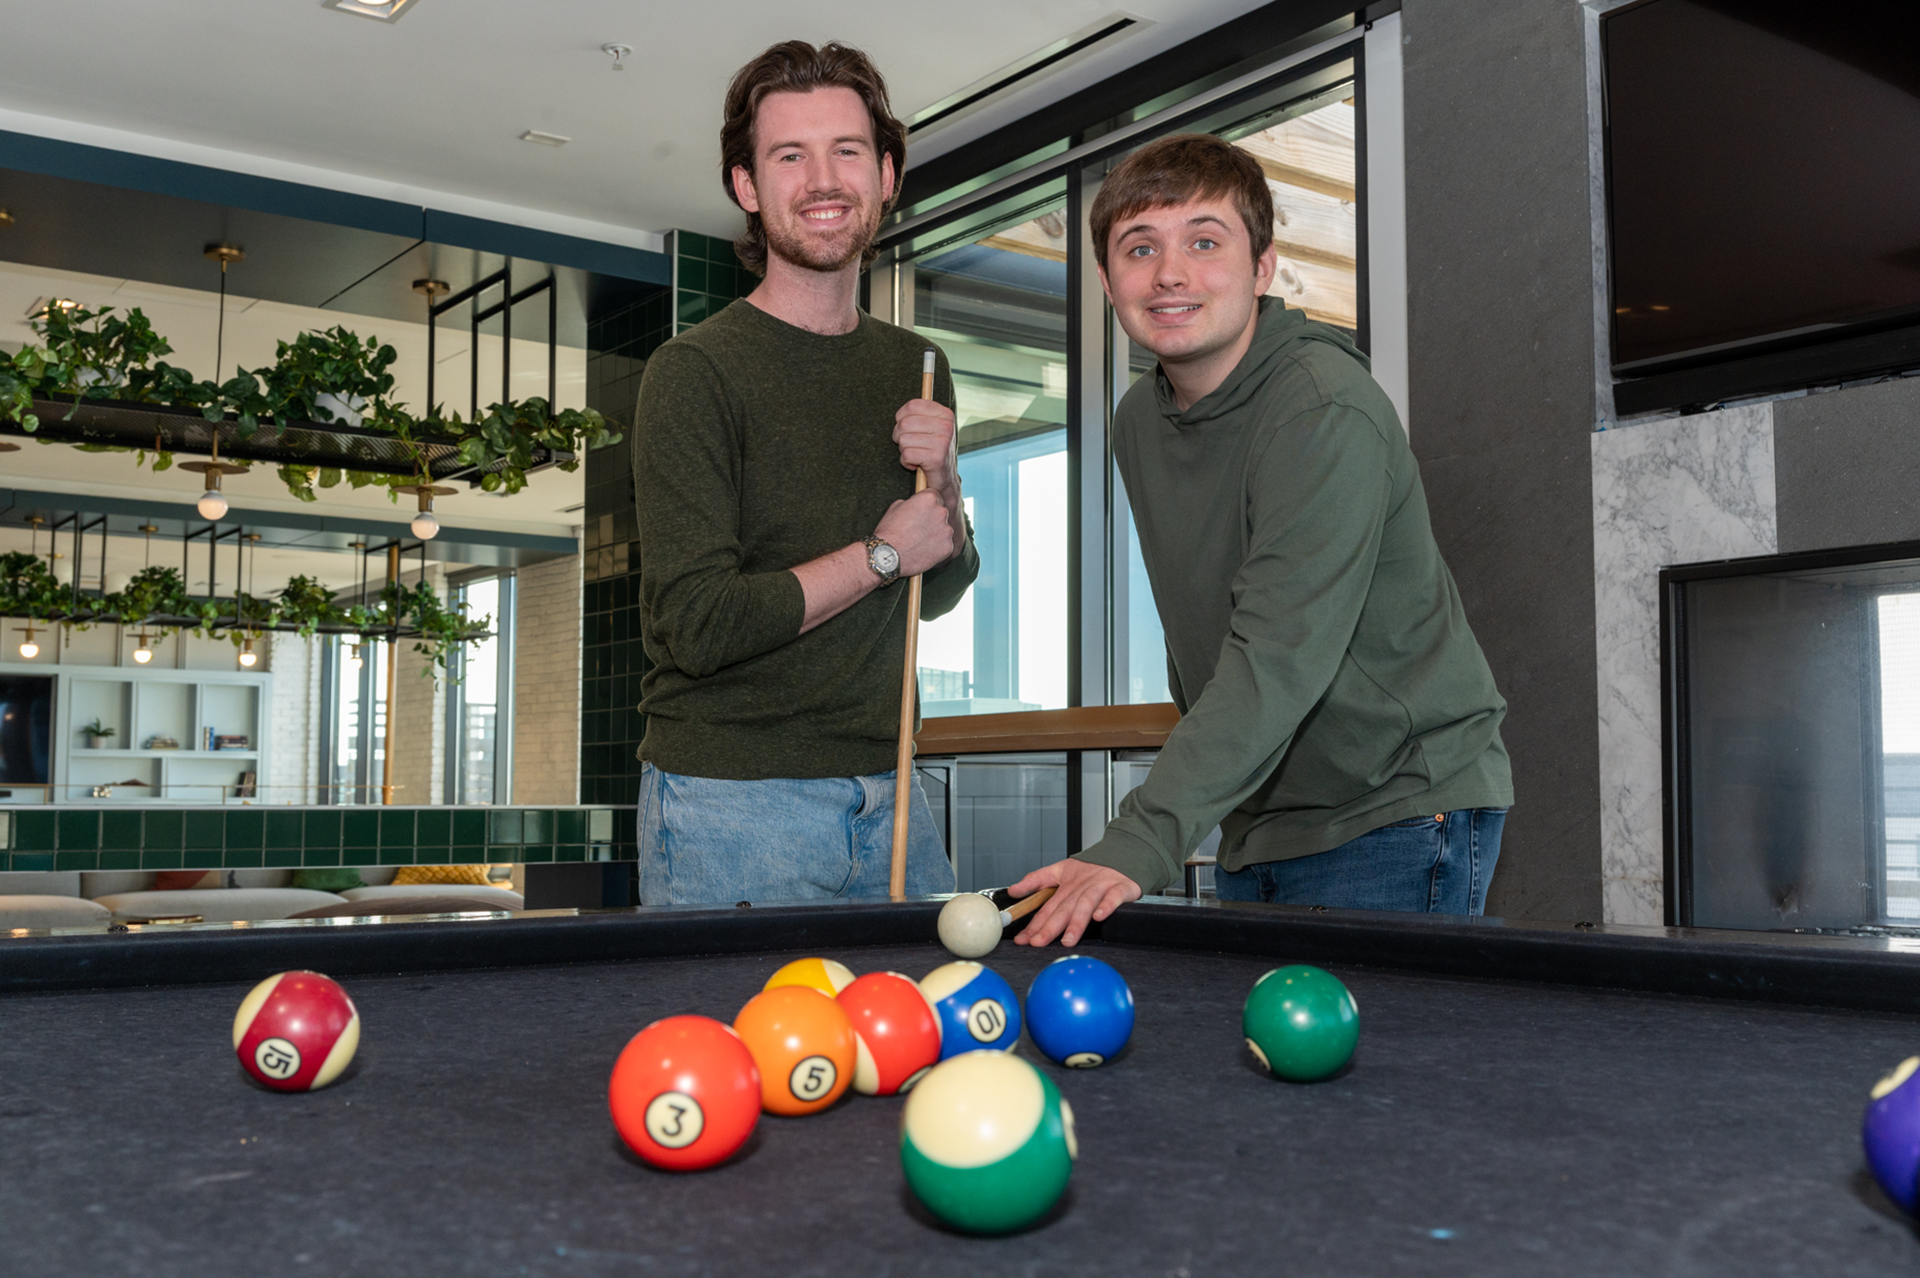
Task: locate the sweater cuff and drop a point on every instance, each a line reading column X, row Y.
column 1135, row 858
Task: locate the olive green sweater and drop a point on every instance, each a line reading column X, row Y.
column 1327, row 681
column 757, row 447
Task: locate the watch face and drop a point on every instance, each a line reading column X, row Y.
column 886, row 559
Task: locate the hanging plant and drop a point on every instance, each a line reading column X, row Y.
column 95, row 354
column 440, row 629
column 28, row 588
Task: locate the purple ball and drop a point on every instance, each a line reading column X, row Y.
column 1891, row 1133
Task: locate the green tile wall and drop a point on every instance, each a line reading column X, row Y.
column 708, row 277
column 251, row 838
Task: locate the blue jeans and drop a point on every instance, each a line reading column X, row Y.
column 710, row 842
column 1437, row 866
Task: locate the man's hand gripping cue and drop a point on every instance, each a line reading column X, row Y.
column 1088, row 893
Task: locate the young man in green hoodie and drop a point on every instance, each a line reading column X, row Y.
column 1338, row 720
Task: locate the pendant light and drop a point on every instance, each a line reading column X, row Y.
column 425, row 526
column 247, row 655
column 28, row 648
column 143, row 650
column 213, row 503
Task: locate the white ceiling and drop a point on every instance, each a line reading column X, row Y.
column 435, row 102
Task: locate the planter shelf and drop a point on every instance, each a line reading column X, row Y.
column 115, row 423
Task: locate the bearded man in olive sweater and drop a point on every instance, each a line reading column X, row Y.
column 1338, row 720
column 774, row 452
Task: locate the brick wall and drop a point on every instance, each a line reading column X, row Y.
column 546, row 683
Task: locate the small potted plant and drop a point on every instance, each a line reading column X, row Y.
column 97, row 733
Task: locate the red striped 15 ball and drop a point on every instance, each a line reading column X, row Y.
column 295, row 1031
column 896, row 1034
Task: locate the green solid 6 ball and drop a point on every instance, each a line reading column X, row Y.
column 1301, row 1022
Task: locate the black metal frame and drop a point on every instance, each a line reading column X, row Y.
column 1675, row 729
column 504, row 309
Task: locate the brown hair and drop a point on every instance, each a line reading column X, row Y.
column 794, row 66
column 1186, row 166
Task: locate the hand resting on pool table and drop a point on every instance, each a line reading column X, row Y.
column 1088, row 893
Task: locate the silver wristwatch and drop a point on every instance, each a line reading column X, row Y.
column 884, row 560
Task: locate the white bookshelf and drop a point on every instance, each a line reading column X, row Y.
column 140, row 705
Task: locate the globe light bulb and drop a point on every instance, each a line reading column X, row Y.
column 212, row 504
column 29, row 650
column 425, row 526
column 353, row 658
column 143, row 654
column 247, row 654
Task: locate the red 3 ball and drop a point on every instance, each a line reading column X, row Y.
column 296, row 1031
column 685, row 1093
column 897, row 1035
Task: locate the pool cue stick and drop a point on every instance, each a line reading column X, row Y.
column 1020, row 909
column 909, row 684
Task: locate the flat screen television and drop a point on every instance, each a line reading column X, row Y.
column 26, row 729
column 1763, row 179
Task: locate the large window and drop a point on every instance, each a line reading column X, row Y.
column 354, row 750
column 480, row 699
column 997, row 304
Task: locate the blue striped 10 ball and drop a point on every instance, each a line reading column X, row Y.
column 977, row 1009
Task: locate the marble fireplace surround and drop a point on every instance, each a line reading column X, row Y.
column 1675, row 491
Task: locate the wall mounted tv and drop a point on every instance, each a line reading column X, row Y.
column 1763, row 195
column 26, row 729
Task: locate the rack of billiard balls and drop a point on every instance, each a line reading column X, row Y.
column 987, row 1141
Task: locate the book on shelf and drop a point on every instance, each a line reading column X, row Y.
column 233, row 743
column 247, row 782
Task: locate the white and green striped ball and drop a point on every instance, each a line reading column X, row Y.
column 987, row 1142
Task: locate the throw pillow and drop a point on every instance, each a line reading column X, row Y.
column 329, row 879
column 471, row 875
column 183, row 880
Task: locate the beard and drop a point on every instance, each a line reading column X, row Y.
column 790, row 239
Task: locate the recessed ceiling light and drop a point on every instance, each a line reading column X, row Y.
column 385, row 10
column 544, row 139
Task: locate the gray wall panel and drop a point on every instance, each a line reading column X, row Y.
column 1500, row 326
column 1847, row 466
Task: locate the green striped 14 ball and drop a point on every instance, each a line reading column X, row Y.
column 987, row 1142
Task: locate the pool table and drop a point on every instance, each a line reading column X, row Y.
column 1525, row 1099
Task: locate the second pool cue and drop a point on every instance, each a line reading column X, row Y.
column 909, row 684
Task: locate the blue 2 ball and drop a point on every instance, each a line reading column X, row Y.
column 1891, row 1133
column 1079, row 1011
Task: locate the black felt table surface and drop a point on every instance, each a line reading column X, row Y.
column 1484, row 1128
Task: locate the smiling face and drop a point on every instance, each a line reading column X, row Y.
column 1185, row 283
column 818, row 182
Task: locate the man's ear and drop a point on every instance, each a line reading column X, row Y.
column 1264, row 267
column 1104, row 286
column 743, row 191
column 886, row 176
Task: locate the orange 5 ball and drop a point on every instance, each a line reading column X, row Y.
column 804, row 1045
column 685, row 1093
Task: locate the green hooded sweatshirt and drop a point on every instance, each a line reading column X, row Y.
column 1327, row 681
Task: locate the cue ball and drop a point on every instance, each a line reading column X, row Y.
column 685, row 1093
column 1301, row 1022
column 970, row 926
column 804, row 1045
column 896, row 1034
column 978, row 1010
column 1891, row 1133
column 821, row 974
column 987, row 1143
column 1079, row 1011
column 296, row 1031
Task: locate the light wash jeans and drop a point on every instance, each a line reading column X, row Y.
column 709, row 842
column 1438, row 866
